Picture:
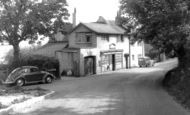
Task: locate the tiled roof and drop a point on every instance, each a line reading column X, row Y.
column 104, row 28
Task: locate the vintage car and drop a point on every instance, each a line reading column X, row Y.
column 28, row 74
column 145, row 62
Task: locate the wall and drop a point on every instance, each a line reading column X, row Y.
column 136, row 50
column 69, row 60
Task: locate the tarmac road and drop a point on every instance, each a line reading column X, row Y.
column 125, row 92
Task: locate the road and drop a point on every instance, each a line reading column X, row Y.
column 124, row 92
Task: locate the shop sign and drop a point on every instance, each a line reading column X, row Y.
column 112, row 46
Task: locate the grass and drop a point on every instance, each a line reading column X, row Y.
column 180, row 90
column 37, row 91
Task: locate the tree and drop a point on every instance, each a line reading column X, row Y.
column 27, row 19
column 165, row 24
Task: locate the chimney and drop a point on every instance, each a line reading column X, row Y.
column 118, row 18
column 74, row 17
column 101, row 20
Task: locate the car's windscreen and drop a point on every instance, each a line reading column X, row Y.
column 17, row 72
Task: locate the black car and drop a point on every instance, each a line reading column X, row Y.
column 28, row 74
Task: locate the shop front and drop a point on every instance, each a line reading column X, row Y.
column 111, row 60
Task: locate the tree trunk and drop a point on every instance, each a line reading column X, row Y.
column 16, row 55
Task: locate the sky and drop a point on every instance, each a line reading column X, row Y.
column 90, row 10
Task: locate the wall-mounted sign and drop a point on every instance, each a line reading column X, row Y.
column 112, row 46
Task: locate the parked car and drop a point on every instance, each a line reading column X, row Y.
column 28, row 74
column 145, row 62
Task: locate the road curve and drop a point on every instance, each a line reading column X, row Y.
column 126, row 92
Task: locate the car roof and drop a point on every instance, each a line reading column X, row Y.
column 28, row 67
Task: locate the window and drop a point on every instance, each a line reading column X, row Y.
column 83, row 37
column 120, row 38
column 133, row 57
column 88, row 38
column 139, row 55
column 34, row 70
column 139, row 43
column 105, row 37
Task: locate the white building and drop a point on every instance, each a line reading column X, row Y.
column 98, row 47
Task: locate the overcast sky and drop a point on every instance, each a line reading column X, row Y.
column 90, row 10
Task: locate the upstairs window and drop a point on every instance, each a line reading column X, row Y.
column 83, row 37
column 88, row 37
column 120, row 38
column 105, row 38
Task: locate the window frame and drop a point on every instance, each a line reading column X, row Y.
column 133, row 57
column 105, row 38
column 84, row 37
column 120, row 38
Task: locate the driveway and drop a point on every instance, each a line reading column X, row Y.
column 124, row 92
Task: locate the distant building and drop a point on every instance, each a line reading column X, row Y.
column 98, row 47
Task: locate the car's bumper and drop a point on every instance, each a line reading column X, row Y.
column 7, row 82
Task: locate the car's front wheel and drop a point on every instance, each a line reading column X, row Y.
column 20, row 82
column 48, row 79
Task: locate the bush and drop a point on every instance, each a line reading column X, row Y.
column 171, row 78
column 177, row 83
column 42, row 62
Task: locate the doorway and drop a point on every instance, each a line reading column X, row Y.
column 126, row 60
column 90, row 65
column 113, row 62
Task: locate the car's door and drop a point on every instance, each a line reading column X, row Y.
column 34, row 75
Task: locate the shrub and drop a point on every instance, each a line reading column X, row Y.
column 43, row 62
column 177, row 83
column 171, row 77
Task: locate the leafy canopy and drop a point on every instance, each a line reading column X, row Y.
column 162, row 23
column 26, row 19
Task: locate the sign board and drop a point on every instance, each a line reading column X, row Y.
column 112, row 46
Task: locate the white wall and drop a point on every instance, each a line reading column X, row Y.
column 136, row 50
column 103, row 45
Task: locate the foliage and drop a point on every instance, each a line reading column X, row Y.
column 43, row 62
column 162, row 23
column 178, row 88
column 26, row 19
